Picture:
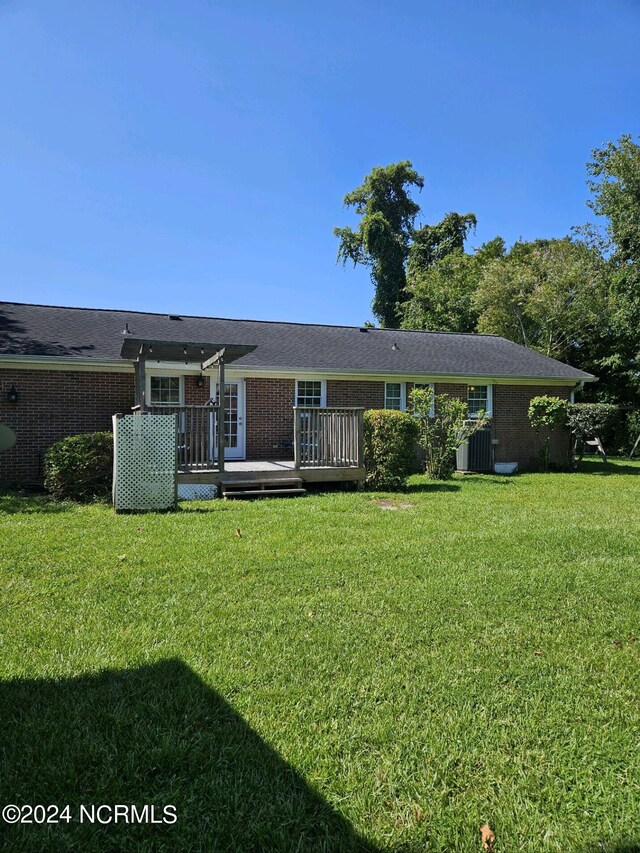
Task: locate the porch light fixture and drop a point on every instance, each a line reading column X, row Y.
column 200, row 381
column 12, row 396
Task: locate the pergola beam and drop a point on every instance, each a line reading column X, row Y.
column 215, row 359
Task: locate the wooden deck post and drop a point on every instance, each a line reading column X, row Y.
column 140, row 383
column 297, row 439
column 221, row 414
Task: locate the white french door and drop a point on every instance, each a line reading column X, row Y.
column 234, row 427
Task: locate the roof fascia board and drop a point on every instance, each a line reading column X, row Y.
column 27, row 362
column 454, row 378
column 31, row 362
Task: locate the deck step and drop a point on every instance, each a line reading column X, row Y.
column 261, row 481
column 261, row 493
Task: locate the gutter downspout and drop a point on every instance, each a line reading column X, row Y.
column 579, row 387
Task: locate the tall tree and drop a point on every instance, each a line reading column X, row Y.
column 615, row 184
column 615, row 187
column 550, row 295
column 381, row 241
column 432, row 243
column 442, row 294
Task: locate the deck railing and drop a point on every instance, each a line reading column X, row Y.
column 197, row 434
column 328, row 437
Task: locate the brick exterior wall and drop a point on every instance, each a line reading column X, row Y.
column 516, row 440
column 52, row 405
column 510, row 423
column 55, row 404
column 194, row 396
column 269, row 418
column 343, row 392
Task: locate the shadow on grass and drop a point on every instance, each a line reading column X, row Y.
column 431, row 486
column 14, row 503
column 597, row 466
column 154, row 735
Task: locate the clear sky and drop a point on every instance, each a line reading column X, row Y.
column 192, row 156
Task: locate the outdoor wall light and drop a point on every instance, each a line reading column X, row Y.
column 12, row 396
column 200, row 381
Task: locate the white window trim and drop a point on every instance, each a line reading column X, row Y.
column 161, row 375
column 403, row 394
column 489, row 409
column 323, row 391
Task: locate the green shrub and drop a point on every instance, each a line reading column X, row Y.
column 441, row 434
column 546, row 414
column 80, row 468
column 587, row 420
column 389, row 448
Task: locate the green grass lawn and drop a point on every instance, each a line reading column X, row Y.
column 340, row 676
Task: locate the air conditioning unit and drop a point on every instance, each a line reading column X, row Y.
column 476, row 454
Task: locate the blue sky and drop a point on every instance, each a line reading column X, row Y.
column 193, row 156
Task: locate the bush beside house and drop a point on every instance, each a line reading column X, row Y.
column 389, row 448
column 80, row 468
column 547, row 414
column 443, row 425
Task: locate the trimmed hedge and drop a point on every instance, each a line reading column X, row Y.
column 389, row 448
column 80, row 468
column 587, row 420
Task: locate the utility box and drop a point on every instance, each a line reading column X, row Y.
column 476, row 455
column 145, row 462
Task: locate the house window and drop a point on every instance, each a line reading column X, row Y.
column 310, row 393
column 394, row 397
column 165, row 390
column 478, row 399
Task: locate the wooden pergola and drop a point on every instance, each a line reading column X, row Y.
column 206, row 355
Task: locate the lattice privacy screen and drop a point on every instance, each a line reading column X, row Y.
column 144, row 463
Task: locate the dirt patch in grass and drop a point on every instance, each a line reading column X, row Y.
column 387, row 503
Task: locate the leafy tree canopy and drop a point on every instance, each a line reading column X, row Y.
column 386, row 240
column 442, row 295
column 432, row 243
column 615, row 187
column 381, row 241
column 550, row 295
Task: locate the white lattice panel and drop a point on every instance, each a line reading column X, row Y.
column 197, row 491
column 144, row 466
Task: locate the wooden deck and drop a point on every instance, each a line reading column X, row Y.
column 263, row 470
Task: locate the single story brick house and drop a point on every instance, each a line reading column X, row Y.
column 62, row 372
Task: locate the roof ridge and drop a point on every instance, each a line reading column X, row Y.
column 250, row 320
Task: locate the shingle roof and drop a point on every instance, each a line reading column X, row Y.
column 97, row 334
